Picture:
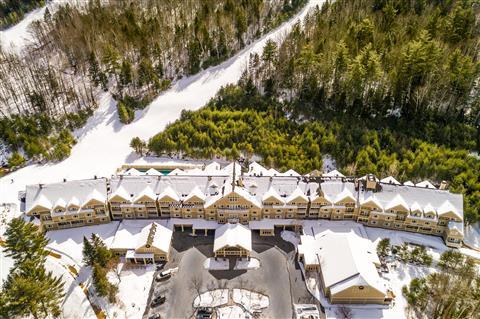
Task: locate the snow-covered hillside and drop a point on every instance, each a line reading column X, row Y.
column 17, row 36
column 103, row 144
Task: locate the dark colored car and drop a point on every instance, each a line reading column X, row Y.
column 155, row 316
column 157, row 301
column 204, row 313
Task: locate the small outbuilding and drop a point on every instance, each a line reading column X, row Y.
column 232, row 240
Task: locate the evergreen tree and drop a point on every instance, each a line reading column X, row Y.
column 24, row 241
column 88, row 252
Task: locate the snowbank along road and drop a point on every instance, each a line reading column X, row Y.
column 103, row 144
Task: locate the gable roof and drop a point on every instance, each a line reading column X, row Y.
column 169, row 192
column 372, row 200
column 95, row 195
column 122, row 193
column 153, row 172
column 196, row 192
column 296, row 194
column 425, row 184
column 147, row 192
column 390, row 180
column 408, row 183
column 446, row 208
column 271, row 192
column 398, row 200
column 334, row 173
column 344, row 194
column 233, row 235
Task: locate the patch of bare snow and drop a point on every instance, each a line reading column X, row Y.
column 231, row 312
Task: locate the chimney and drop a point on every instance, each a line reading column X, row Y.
column 371, row 183
column 443, row 185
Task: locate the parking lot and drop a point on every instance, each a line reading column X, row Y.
column 278, row 277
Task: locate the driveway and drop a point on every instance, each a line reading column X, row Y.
column 278, row 277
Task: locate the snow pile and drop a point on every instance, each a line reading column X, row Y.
column 291, row 237
column 230, row 312
column 329, row 163
column 246, row 264
column 250, row 300
column 212, row 298
column 219, row 264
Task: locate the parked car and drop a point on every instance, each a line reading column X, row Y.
column 163, row 276
column 204, row 313
column 155, row 316
column 159, row 267
column 157, row 301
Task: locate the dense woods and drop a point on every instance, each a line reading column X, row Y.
column 133, row 49
column 12, row 11
column 29, row 290
column 413, row 59
column 457, row 277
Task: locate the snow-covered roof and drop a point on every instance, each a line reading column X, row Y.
column 73, row 202
column 177, row 171
column 346, row 260
column 133, row 171
column 290, row 172
column 133, row 234
column 147, row 192
column 408, row 183
column 271, row 192
column 425, row 184
column 96, row 196
column 256, row 169
column 458, row 226
column 390, row 180
column 415, row 207
column 68, row 193
column 334, row 173
column 169, row 192
column 398, row 200
column 371, row 199
column 196, row 192
column 365, row 177
column 59, row 203
column 296, row 194
column 429, row 209
column 447, row 207
column 345, row 194
column 122, row 193
column 233, row 235
column 153, row 172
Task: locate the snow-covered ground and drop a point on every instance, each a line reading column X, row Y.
column 212, row 298
column 250, row 300
column 18, row 35
column 230, row 312
column 219, row 264
column 103, row 144
column 247, row 264
column 76, row 304
column 5, row 264
column 133, row 290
